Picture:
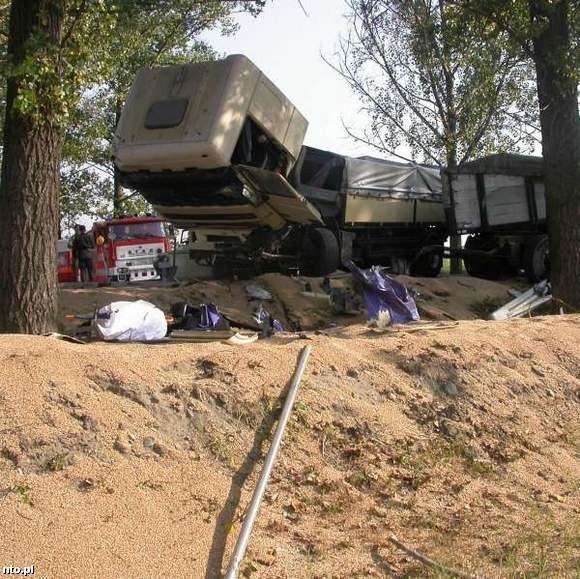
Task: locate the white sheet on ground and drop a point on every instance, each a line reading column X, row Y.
column 138, row 321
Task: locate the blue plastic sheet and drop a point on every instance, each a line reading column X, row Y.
column 211, row 318
column 383, row 293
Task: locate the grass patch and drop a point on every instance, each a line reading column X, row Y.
column 23, row 492
column 220, row 448
column 149, row 484
column 56, row 463
column 545, row 551
column 442, row 452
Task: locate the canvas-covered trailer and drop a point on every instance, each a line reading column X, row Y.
column 382, row 211
column 499, row 202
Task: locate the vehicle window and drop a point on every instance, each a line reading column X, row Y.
column 136, row 230
column 166, row 114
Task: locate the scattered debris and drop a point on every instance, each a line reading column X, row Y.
column 430, row 562
column 266, row 322
column 384, row 293
column 256, row 291
column 239, row 339
column 526, row 302
column 64, row 337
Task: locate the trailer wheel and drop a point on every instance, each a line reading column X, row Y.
column 482, row 266
column 535, row 257
column 320, row 252
column 427, row 265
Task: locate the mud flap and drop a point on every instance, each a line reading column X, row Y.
column 273, row 190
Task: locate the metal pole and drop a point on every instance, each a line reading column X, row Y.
column 244, row 537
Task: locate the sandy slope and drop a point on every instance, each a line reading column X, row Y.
column 139, row 460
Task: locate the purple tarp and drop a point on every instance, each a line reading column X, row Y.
column 382, row 292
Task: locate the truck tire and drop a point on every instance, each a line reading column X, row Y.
column 320, row 251
column 482, row 266
column 427, row 265
column 222, row 269
column 535, row 257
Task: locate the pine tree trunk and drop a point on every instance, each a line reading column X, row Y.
column 560, row 122
column 29, row 187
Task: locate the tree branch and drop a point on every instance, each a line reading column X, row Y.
column 66, row 37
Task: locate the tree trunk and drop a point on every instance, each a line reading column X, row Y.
column 117, row 194
column 560, row 122
column 455, row 266
column 29, row 183
column 117, row 188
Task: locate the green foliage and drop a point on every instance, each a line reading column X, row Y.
column 83, row 192
column 81, row 83
column 437, row 80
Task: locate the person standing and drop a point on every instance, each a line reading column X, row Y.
column 85, row 247
column 75, row 249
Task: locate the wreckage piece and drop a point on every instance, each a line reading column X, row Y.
column 205, row 317
column 239, row 339
column 528, row 301
column 382, row 294
column 255, row 291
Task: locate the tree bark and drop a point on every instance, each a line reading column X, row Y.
column 29, row 183
column 560, row 122
column 117, row 187
column 455, row 266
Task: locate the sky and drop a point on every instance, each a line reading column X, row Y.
column 286, row 44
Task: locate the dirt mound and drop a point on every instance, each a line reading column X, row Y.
column 458, row 297
column 445, row 297
column 139, row 460
column 288, row 304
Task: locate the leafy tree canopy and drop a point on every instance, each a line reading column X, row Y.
column 437, row 81
column 103, row 45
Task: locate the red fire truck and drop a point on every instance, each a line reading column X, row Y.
column 65, row 266
column 125, row 249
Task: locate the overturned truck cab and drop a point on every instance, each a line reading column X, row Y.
column 216, row 148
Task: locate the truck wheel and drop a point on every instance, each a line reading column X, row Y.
column 427, row 265
column 535, row 257
column 482, row 266
column 222, row 269
column 320, row 252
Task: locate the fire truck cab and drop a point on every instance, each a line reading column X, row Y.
column 128, row 247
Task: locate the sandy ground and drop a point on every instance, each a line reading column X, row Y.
column 139, row 460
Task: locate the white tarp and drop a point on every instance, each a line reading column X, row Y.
column 138, row 321
column 380, row 178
